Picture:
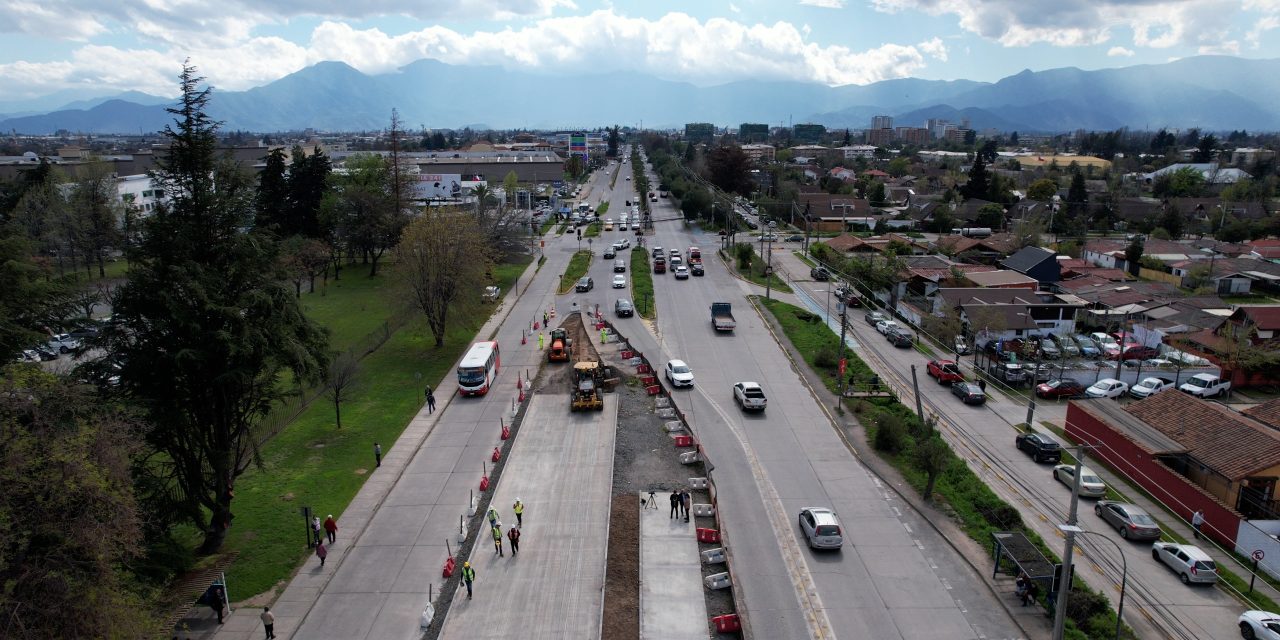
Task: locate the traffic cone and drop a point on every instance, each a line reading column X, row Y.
column 497, row 454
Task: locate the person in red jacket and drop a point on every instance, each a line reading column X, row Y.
column 331, row 528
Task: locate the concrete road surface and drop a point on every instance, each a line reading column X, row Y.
column 561, row 467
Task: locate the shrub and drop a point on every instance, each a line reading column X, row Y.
column 826, row 357
column 891, row 433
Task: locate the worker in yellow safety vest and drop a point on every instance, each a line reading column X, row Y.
column 518, row 507
column 468, row 576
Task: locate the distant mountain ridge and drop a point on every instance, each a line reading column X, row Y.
column 1210, row 92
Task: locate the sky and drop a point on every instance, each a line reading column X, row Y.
column 103, row 48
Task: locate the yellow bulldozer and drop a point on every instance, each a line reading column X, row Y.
column 587, row 382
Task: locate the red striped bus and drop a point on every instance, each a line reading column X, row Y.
column 479, row 368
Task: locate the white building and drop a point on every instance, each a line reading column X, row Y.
column 858, row 151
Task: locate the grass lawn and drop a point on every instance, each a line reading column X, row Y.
column 578, row 265
column 805, row 259
column 642, row 284
column 593, row 230
column 754, row 274
column 313, row 463
column 353, row 306
column 548, row 224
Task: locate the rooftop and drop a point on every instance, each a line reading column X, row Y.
column 1267, row 412
column 1232, row 444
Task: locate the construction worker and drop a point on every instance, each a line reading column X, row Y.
column 497, row 541
column 514, row 536
column 493, row 517
column 540, row 338
column 518, row 507
column 468, row 576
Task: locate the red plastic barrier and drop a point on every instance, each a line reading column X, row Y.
column 727, row 623
column 497, row 455
column 708, row 535
column 484, row 483
column 653, row 390
column 521, row 399
column 684, row 441
column 643, row 368
column 627, row 355
column 535, row 325
column 648, row 380
column 506, row 432
column 449, row 566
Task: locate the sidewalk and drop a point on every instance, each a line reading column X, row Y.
column 672, row 605
column 391, row 538
column 561, row 468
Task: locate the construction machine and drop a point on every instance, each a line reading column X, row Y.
column 586, row 387
column 560, row 346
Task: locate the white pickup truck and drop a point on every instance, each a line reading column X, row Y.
column 1203, row 385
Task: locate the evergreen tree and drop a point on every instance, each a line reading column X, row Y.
column 272, row 198
column 308, row 184
column 979, row 184
column 1077, row 197
column 209, row 323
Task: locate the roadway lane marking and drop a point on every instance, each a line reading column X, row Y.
column 919, row 544
column 908, row 528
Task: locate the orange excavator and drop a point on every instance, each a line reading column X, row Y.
column 560, row 345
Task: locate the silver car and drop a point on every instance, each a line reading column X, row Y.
column 1091, row 486
column 1130, row 520
column 821, row 528
column 1190, row 562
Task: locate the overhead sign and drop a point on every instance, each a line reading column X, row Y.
column 445, row 186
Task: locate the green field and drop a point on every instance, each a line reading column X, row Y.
column 315, row 464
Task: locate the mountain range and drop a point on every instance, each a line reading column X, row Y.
column 1209, row 92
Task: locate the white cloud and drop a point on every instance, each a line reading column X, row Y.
column 1265, row 24
column 675, row 46
column 1154, row 23
column 1228, row 48
column 1116, row 52
column 825, row 4
column 734, row 8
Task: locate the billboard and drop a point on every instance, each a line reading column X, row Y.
column 578, row 145
column 445, row 186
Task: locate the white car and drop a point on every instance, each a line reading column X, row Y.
column 619, row 282
column 679, row 374
column 1107, row 388
column 749, row 396
column 622, row 244
column 64, row 343
column 821, row 528
column 1150, row 386
column 1262, row 625
column 884, row 326
column 1091, row 485
column 1190, row 562
column 682, row 272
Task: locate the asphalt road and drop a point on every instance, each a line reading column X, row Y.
column 896, row 577
column 1157, row 604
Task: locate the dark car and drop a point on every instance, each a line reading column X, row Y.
column 899, row 339
column 819, row 273
column 1131, row 521
column 610, row 253
column 1042, row 448
column 619, row 266
column 87, row 332
column 585, row 283
column 696, row 269
column 794, row 238
column 968, row 392
column 1065, row 388
column 623, row 308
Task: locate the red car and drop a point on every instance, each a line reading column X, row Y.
column 945, row 371
column 1134, row 352
column 1060, row 389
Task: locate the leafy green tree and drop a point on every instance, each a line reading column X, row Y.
column 308, row 185
column 1133, row 254
column 899, row 167
column 72, row 521
column 363, row 209
column 99, row 214
column 1187, row 182
column 445, row 257
column 613, row 137
column 729, row 169
column 1043, row 190
column 990, row 215
column 31, row 300
column 1173, row 221
column 1205, row 148
column 875, row 193
column 1077, row 197
column 931, row 456
column 209, row 324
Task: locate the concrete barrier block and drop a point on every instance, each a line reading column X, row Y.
column 714, row 556
column 704, row 510
column 462, row 534
column 662, row 402
column 673, row 426
column 717, row 581
column 698, row 483
column 666, row 414
column 689, row 457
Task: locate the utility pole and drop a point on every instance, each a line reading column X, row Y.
column 1031, row 402
column 844, row 380
column 1070, row 529
column 915, row 382
column 1124, row 327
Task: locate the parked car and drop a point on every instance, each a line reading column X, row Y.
column 1130, row 520
column 491, row 294
column 1107, row 388
column 86, row 332
column 749, row 396
column 1066, row 345
column 43, row 352
column 64, row 343
column 885, row 326
column 1204, row 385
column 899, row 338
column 794, row 238
column 1262, row 625
column 1039, row 446
column 585, row 283
column 1088, row 348
column 679, row 374
column 682, row 272
column 1060, row 388
column 821, row 528
column 1134, row 352
column 1190, row 562
column 873, row 317
column 1010, row 372
column 1091, row 486
column 944, row 371
column 820, row 273
column 968, row 392
column 27, row 355
column 1049, row 350
column 619, row 282
column 1039, row 373
column 1107, row 344
column 1150, row 386
column 696, row 269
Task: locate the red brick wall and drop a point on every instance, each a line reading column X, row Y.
column 1177, row 493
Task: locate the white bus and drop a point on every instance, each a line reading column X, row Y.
column 478, row 369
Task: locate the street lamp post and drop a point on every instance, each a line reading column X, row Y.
column 1124, row 576
column 768, row 260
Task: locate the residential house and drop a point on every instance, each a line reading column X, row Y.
column 1010, row 313
column 1267, row 249
column 847, row 243
column 1002, row 279
column 1267, row 413
column 987, row 250
column 816, row 151
column 1036, row 262
column 967, row 211
column 828, row 212
column 759, row 153
column 1247, row 156
column 1249, row 326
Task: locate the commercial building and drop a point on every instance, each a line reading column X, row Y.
column 808, row 133
column 759, row 153
column 878, row 137
column 699, row 133
column 882, row 122
column 752, row 132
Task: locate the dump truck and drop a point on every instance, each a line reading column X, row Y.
column 560, row 346
column 722, row 316
column 586, row 387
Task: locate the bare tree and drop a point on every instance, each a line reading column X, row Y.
column 498, row 222
column 445, row 256
column 342, row 382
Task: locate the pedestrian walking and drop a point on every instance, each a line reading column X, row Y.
column 322, row 552
column 518, row 507
column 431, row 401
column 268, row 622
column 468, row 576
column 331, row 528
column 1197, row 521
column 514, row 536
column 982, row 384
column 493, row 517
column 675, row 503
column 497, row 541
column 219, row 603
column 377, row 453
column 316, row 528
column 685, row 501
